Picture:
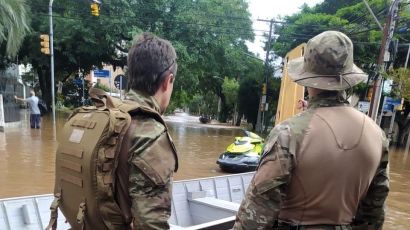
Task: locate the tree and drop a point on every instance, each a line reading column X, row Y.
column 248, row 96
column 401, row 78
column 230, row 91
column 209, row 37
column 13, row 24
column 348, row 16
column 81, row 41
column 353, row 18
column 250, row 90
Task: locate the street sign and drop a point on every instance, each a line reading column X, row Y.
column 264, row 99
column 78, row 81
column 120, row 82
column 390, row 104
column 101, row 73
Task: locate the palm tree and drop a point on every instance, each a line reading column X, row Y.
column 13, row 24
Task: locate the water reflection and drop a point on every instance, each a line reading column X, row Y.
column 27, row 161
column 398, row 213
column 199, row 148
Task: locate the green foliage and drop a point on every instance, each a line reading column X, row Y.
column 209, row 37
column 401, row 76
column 230, row 89
column 102, row 86
column 248, row 97
column 348, row 16
column 361, row 90
column 302, row 27
column 196, row 106
column 14, row 22
column 333, row 6
column 72, row 93
column 273, row 96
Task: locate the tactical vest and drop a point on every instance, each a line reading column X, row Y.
column 86, row 160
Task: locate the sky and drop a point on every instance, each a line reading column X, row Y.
column 271, row 9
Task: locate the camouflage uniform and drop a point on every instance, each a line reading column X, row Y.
column 269, row 188
column 326, row 168
column 152, row 159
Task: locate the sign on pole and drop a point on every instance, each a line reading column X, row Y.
column 101, row 73
column 364, row 106
column 390, row 104
column 2, row 123
column 263, row 99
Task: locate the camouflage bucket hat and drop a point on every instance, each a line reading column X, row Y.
column 327, row 63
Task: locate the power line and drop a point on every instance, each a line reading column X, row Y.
column 191, row 28
column 320, row 26
column 297, row 36
column 147, row 16
column 142, row 18
column 103, row 9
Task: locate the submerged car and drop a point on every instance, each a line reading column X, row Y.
column 243, row 155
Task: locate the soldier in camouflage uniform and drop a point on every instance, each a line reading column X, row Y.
column 327, row 167
column 148, row 157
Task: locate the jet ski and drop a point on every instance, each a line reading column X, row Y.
column 243, row 154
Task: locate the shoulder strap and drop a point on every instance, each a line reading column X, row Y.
column 101, row 98
column 127, row 106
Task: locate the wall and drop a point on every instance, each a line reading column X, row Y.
column 10, row 86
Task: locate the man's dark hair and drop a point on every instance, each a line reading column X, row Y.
column 149, row 59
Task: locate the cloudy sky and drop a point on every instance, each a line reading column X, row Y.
column 268, row 9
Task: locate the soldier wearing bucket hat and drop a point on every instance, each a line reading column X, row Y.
column 327, row 167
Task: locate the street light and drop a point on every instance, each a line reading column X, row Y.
column 45, row 44
column 95, row 8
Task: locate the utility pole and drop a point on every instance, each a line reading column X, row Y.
column 260, row 123
column 387, row 36
column 53, row 104
column 81, row 76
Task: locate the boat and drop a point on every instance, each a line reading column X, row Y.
column 206, row 203
column 243, row 154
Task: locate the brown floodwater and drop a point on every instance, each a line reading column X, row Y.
column 27, row 161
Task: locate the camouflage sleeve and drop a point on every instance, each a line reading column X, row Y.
column 371, row 209
column 152, row 165
column 261, row 205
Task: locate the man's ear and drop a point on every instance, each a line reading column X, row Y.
column 167, row 82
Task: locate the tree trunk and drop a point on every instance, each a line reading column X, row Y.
column 223, row 116
column 238, row 119
column 234, row 115
column 45, row 85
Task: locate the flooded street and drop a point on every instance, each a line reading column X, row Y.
column 27, row 161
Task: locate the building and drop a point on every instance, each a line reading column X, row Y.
column 10, row 85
